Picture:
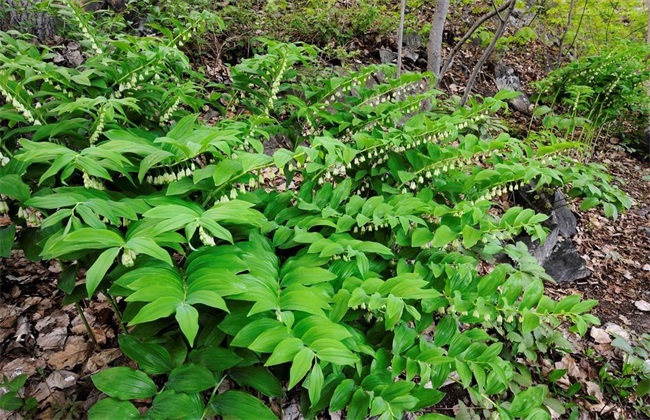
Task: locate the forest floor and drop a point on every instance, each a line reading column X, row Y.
column 49, row 343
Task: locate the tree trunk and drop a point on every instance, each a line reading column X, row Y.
column 434, row 45
column 646, row 134
column 20, row 15
column 400, row 37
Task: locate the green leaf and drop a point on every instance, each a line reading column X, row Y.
column 443, row 236
column 237, row 405
column 14, row 187
column 191, row 378
column 159, row 308
column 110, row 408
column 151, row 358
column 171, row 405
column 301, row 364
column 124, row 383
column 225, row 171
column 96, row 273
column 342, row 395
column 589, row 202
column 285, row 351
column 307, row 276
column 217, row 359
column 421, row 236
column 316, row 380
column 531, row 321
column 259, row 378
column 435, row 416
column 358, row 408
column 526, row 401
column 445, row 330
column 471, row 236
column 7, row 235
column 188, row 319
column 149, row 247
column 643, row 388
column 532, row 294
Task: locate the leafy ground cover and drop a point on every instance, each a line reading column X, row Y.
column 46, row 340
column 338, row 243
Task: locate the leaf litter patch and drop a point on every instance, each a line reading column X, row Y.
column 48, row 342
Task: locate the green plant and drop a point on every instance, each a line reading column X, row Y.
column 10, row 399
column 523, row 36
column 367, row 277
column 592, row 96
column 632, row 381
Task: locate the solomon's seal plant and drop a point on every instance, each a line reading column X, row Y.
column 370, row 278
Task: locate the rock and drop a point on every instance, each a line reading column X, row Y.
column 412, row 40
column 71, row 56
column 542, row 251
column 387, row 56
column 562, row 216
column 506, row 78
column 565, row 264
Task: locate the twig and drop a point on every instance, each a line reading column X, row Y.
column 465, row 37
column 487, row 52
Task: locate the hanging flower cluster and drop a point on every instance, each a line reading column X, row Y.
column 31, row 216
column 15, row 102
column 90, row 182
column 128, row 257
column 83, row 27
column 168, row 177
column 275, row 87
column 168, row 113
column 206, row 238
column 99, row 128
column 4, row 160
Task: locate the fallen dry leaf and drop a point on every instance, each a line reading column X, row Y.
column 594, row 390
column 53, row 340
column 22, row 329
column 61, row 379
column 26, row 365
column 642, row 305
column 75, row 352
column 600, row 336
column 612, row 328
column 100, row 360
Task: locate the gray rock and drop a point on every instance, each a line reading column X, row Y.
column 563, row 216
column 387, row 56
column 412, row 40
column 565, row 264
column 542, row 251
column 507, row 79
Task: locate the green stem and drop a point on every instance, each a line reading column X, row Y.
column 116, row 309
column 214, row 392
column 86, row 324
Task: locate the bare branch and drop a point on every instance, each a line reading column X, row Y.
column 467, row 36
column 487, row 52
